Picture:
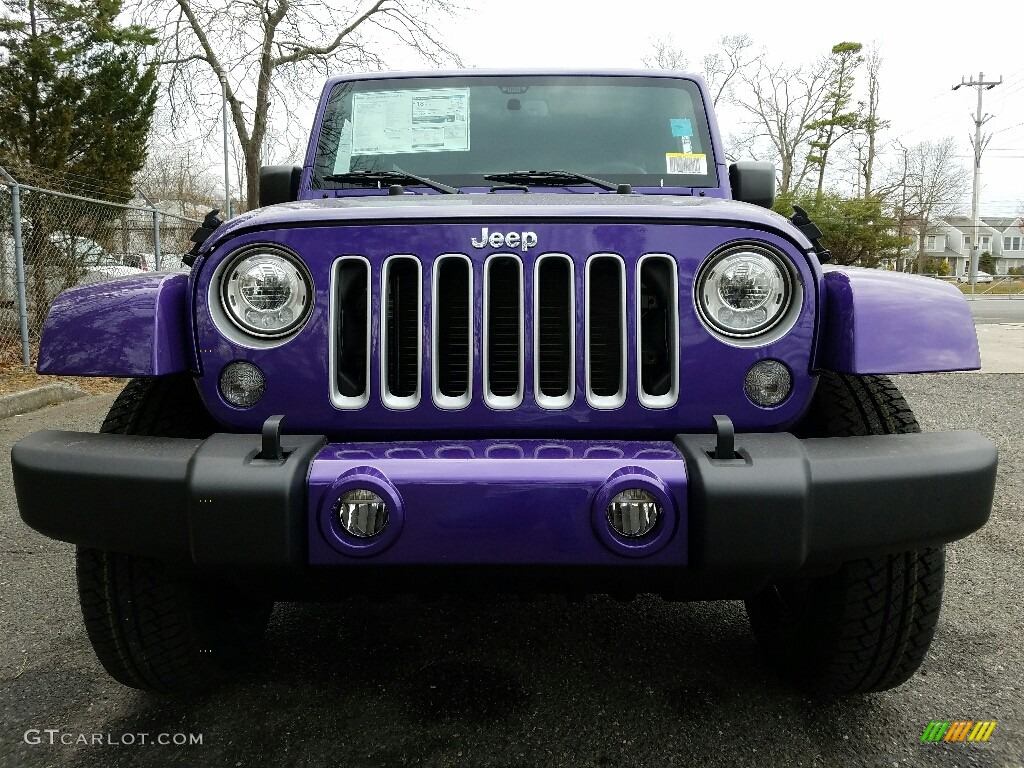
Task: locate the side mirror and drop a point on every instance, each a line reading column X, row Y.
column 753, row 182
column 279, row 184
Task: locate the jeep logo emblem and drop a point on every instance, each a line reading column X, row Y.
column 523, row 240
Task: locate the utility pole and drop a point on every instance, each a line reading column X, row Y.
column 860, row 166
column 979, row 147
column 224, row 121
column 901, row 262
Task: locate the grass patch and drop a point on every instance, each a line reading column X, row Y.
column 1011, row 287
column 14, row 377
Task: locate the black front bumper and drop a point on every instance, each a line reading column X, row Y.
column 781, row 505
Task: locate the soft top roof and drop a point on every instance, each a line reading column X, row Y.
column 515, row 72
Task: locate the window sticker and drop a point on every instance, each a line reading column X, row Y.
column 343, row 160
column 394, row 122
column 681, row 126
column 684, row 162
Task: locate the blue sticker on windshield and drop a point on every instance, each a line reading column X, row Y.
column 681, row 126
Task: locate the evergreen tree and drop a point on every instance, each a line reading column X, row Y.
column 73, row 96
column 856, row 230
column 839, row 116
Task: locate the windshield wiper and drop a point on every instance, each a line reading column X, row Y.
column 551, row 178
column 390, row 177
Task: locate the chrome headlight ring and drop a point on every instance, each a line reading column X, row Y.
column 744, row 290
column 266, row 292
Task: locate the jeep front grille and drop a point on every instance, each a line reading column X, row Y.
column 402, row 334
column 554, row 315
column 606, row 331
column 453, row 323
column 351, row 359
column 503, row 332
column 482, row 343
column 658, row 328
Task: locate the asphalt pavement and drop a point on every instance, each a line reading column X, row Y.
column 998, row 309
column 503, row 682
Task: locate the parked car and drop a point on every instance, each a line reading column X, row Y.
column 104, row 272
column 511, row 332
column 980, row 277
column 87, row 252
column 148, row 261
column 95, row 264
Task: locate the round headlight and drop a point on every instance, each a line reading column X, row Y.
column 744, row 291
column 266, row 293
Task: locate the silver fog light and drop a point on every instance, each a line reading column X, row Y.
column 362, row 513
column 242, row 384
column 768, row 383
column 634, row 512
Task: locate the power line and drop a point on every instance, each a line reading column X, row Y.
column 979, row 143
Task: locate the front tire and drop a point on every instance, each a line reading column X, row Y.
column 867, row 626
column 154, row 625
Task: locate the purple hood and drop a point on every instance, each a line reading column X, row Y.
column 410, row 208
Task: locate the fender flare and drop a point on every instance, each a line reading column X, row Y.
column 879, row 322
column 131, row 326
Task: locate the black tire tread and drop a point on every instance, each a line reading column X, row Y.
column 846, row 405
column 136, row 622
column 890, row 607
column 868, row 626
column 167, row 406
column 155, row 625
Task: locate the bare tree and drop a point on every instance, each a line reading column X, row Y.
column 871, row 124
column 784, row 103
column 665, row 55
column 936, row 182
column 266, row 52
column 178, row 173
column 722, row 68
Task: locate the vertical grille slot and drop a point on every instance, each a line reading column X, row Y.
column 554, row 326
column 606, row 323
column 452, row 337
column 503, row 331
column 657, row 330
column 402, row 333
column 352, row 330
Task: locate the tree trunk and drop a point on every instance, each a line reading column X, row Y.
column 920, row 251
column 252, row 178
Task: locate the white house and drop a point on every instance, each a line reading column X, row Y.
column 951, row 239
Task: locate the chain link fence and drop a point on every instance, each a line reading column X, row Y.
column 51, row 241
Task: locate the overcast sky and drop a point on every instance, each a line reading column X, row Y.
column 926, row 51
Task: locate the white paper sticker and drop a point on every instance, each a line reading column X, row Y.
column 682, row 162
column 343, row 160
column 395, row 122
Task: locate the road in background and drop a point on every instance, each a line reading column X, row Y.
column 997, row 310
column 501, row 682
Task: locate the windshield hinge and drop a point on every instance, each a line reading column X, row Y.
column 207, row 228
column 810, row 230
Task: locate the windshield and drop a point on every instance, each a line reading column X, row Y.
column 642, row 131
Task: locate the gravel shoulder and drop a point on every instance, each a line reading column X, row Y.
column 502, row 682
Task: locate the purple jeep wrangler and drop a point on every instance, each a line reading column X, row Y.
column 510, row 332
